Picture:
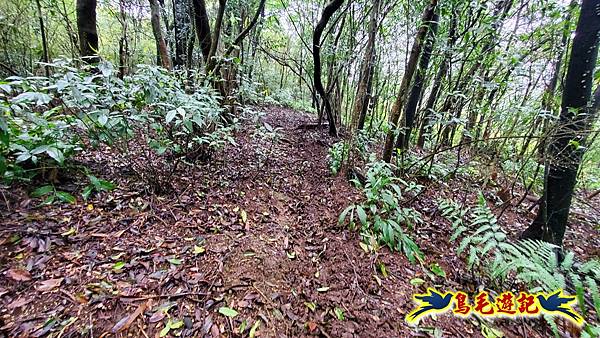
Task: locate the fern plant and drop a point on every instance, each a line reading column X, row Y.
column 537, row 264
column 455, row 214
column 481, row 235
column 534, row 263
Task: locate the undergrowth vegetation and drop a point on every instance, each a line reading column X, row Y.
column 536, row 265
column 382, row 217
column 149, row 117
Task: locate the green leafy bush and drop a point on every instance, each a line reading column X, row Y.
column 381, row 216
column 147, row 117
column 36, row 136
column 336, row 155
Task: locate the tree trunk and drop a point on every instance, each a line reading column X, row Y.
column 45, row 57
column 242, row 35
column 123, row 42
column 437, row 82
column 409, row 73
column 328, row 12
column 210, row 65
column 361, row 102
column 202, row 28
column 161, row 45
column 576, row 117
column 548, row 105
column 417, row 88
column 181, row 24
column 86, row 27
column 254, row 47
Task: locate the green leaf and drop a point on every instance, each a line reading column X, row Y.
column 339, row 313
column 87, row 191
column 199, row 250
column 2, row 166
column 344, row 214
column 40, row 149
column 383, row 270
column 362, row 215
column 105, row 185
column 176, row 325
column 50, row 199
column 165, row 331
column 417, row 281
column 174, row 261
column 118, row 266
column 170, row 116
column 228, row 312
column 4, row 138
column 23, row 157
column 66, row 197
column 255, row 327
column 312, row 306
column 41, row 191
column 102, row 119
column 437, row 269
column 56, row 154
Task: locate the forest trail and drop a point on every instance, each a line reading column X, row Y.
column 260, row 239
column 247, row 244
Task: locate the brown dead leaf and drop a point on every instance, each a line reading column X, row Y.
column 157, row 316
column 214, row 331
column 19, row 275
column 19, row 302
column 126, row 321
column 312, row 326
column 119, row 233
column 49, row 285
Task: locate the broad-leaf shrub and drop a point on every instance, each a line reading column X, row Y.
column 381, row 215
column 147, row 117
column 35, row 135
column 336, row 155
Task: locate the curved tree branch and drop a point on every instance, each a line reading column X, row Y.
column 328, row 12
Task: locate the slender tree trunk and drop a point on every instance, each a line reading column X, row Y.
column 212, row 62
column 566, row 146
column 202, row 28
column 484, row 59
column 181, row 24
column 254, row 46
column 86, row 27
column 328, row 12
column 550, row 90
column 242, row 35
column 123, row 41
column 417, row 88
column 407, row 79
column 45, row 56
column 190, row 45
column 161, row 44
column 361, row 102
column 437, row 82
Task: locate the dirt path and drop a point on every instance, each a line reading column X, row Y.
column 260, row 237
column 255, row 231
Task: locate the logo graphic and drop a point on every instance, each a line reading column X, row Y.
column 505, row 305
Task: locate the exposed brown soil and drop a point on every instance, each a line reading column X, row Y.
column 257, row 236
